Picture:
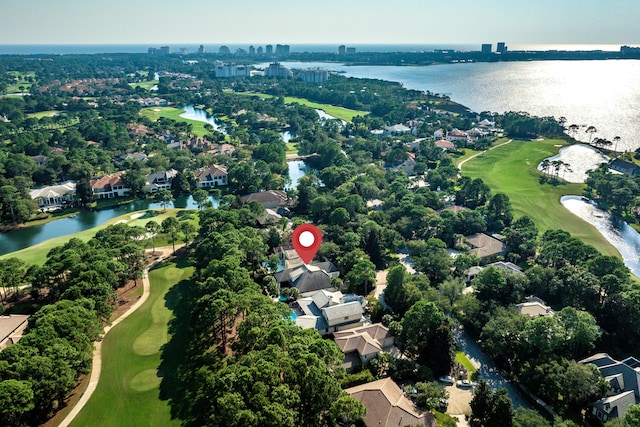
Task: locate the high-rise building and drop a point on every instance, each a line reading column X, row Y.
column 351, row 50
column 282, row 49
column 232, row 70
column 252, row 50
column 342, row 49
column 201, row 50
column 269, row 49
column 277, row 70
column 259, row 50
column 165, row 50
column 501, row 48
column 184, row 51
column 314, row 75
column 224, row 50
column 486, row 48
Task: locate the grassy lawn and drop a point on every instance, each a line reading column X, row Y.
column 292, row 148
column 37, row 254
column 341, row 113
column 145, row 85
column 129, row 388
column 462, row 359
column 511, row 169
column 42, row 114
column 154, row 113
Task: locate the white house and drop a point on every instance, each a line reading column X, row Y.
column 54, row 196
column 211, row 176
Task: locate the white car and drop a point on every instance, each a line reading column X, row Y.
column 464, row 383
column 447, row 379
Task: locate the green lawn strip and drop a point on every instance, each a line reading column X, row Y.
column 341, row 113
column 462, row 359
column 512, row 169
column 37, row 254
column 42, row 114
column 154, row 113
column 145, row 85
column 129, row 387
column 292, row 148
column 444, row 419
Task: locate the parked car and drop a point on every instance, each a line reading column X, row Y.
column 447, row 379
column 464, row 383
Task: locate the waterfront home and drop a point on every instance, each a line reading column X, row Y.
column 160, row 180
column 54, row 196
column 110, row 186
column 211, row 176
column 308, row 278
column 457, row 135
column 271, row 199
column 624, row 167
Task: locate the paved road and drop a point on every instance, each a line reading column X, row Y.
column 487, row 369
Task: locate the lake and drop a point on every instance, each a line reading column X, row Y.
column 617, row 232
column 605, row 94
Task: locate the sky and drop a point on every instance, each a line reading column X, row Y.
column 516, row 22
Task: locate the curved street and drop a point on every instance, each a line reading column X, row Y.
column 487, row 369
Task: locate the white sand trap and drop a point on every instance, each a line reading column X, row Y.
column 122, row 221
column 137, row 215
column 157, row 109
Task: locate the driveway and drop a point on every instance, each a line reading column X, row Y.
column 487, row 369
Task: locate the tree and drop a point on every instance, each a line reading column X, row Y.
column 347, row 410
column 188, row 229
column 171, row 226
column 429, row 394
column 16, row 400
column 489, row 409
column 153, row 228
column 164, row 197
column 427, row 337
column 200, row 196
column 499, row 213
column 136, row 180
column 591, row 130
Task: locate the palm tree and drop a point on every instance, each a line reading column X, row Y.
column 616, row 139
column 545, row 165
column 153, row 228
column 573, row 128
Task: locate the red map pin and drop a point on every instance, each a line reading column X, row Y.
column 306, row 241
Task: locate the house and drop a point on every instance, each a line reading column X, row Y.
column 138, row 157
column 535, row 307
column 445, row 145
column 624, row 379
column 329, row 312
column 624, row 167
column 269, row 217
column 12, row 328
column 271, row 199
column 509, row 267
column 438, row 134
column 160, row 180
column 211, row 176
column 457, row 135
column 397, row 129
column 110, row 186
column 54, row 196
column 40, row 160
column 409, row 164
column 308, row 278
column 485, row 247
column 387, row 405
column 361, row 345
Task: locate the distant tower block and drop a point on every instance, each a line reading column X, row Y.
column 342, row 50
column 486, row 48
column 501, row 48
column 269, row 49
column 201, row 50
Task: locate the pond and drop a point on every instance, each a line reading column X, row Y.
column 617, row 232
column 578, row 159
column 192, row 113
column 21, row 238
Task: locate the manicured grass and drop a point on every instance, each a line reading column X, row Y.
column 292, row 148
column 129, row 388
column 462, row 359
column 37, row 254
column 341, row 113
column 444, row 419
column 512, row 169
column 154, row 113
column 145, row 85
column 42, row 114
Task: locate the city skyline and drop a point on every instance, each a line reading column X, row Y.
column 517, row 22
